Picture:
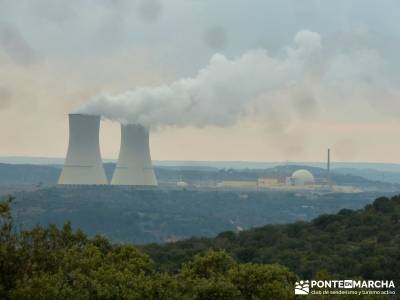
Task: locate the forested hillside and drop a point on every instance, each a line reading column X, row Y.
column 145, row 216
column 58, row 263
column 350, row 243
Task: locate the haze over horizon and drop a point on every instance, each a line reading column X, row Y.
column 335, row 79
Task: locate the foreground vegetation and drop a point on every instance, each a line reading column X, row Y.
column 52, row 263
column 59, row 263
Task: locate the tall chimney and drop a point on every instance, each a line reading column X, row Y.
column 328, row 167
column 83, row 164
column 134, row 166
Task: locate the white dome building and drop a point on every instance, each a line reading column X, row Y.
column 302, row 177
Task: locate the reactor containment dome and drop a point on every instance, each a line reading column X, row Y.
column 134, row 165
column 83, row 164
column 302, row 177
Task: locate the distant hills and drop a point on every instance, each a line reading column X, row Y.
column 386, row 167
column 371, row 174
column 383, row 172
column 25, row 174
column 47, row 175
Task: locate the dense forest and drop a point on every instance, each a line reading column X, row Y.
column 348, row 244
column 144, row 216
column 59, row 263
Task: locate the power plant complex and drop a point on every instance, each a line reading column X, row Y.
column 84, row 166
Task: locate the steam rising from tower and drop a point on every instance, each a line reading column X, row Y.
column 83, row 164
column 134, row 165
column 219, row 94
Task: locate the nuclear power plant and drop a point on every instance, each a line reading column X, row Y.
column 84, row 166
column 134, row 165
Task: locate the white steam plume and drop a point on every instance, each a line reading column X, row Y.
column 220, row 93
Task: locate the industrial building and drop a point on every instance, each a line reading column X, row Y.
column 238, row 184
column 300, row 179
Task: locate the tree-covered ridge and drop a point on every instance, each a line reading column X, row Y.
column 352, row 243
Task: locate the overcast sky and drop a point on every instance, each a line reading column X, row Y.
column 56, row 55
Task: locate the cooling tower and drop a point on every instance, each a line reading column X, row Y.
column 83, row 164
column 134, row 165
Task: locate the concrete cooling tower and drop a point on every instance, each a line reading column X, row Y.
column 134, row 165
column 83, row 164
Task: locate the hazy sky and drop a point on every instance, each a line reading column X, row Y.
column 56, row 55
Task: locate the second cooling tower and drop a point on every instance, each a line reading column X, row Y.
column 134, row 165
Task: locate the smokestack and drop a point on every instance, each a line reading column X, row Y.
column 134, row 165
column 328, row 167
column 83, row 164
column 329, row 161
